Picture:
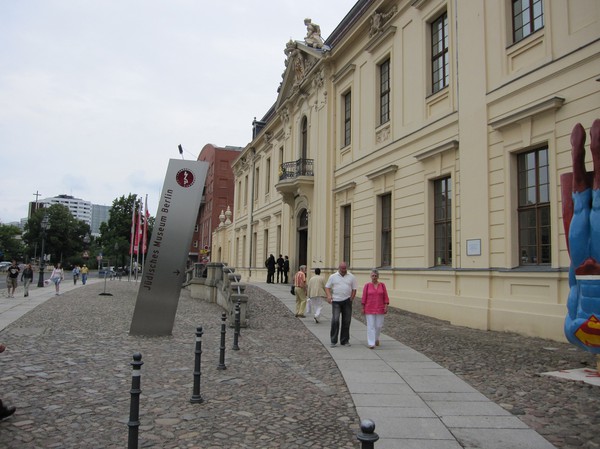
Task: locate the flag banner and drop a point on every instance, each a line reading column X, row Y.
column 132, row 235
column 138, row 231
column 168, row 248
column 145, row 230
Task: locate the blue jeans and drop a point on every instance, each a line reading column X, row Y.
column 345, row 309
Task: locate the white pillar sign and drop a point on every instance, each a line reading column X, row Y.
column 168, row 248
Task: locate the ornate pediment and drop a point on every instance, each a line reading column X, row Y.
column 299, row 63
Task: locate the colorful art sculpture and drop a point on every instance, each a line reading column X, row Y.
column 581, row 219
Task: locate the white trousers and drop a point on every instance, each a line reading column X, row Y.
column 316, row 305
column 374, row 326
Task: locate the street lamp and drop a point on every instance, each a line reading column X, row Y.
column 44, row 225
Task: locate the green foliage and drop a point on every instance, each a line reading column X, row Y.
column 64, row 235
column 116, row 234
column 11, row 245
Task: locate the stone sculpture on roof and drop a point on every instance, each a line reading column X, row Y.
column 313, row 34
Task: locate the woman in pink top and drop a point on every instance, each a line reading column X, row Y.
column 375, row 302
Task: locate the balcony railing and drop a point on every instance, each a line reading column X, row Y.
column 291, row 170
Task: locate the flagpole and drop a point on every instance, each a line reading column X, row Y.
column 138, row 240
column 145, row 233
column 132, row 237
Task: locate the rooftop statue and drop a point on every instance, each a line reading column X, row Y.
column 313, row 34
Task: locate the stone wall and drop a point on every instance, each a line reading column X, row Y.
column 222, row 286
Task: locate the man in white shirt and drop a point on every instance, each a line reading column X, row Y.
column 341, row 290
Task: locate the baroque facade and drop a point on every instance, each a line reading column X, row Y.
column 427, row 138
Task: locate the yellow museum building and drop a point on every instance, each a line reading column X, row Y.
column 426, row 138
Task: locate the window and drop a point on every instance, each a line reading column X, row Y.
column 347, row 117
column 386, row 229
column 246, row 190
column 256, row 182
column 384, row 92
column 439, row 53
column 304, row 137
column 268, row 177
column 442, row 221
column 347, row 230
column 534, row 207
column 527, row 17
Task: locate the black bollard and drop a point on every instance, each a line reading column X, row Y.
column 134, row 410
column 236, row 333
column 222, row 353
column 367, row 435
column 196, row 398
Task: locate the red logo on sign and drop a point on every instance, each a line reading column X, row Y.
column 185, row 178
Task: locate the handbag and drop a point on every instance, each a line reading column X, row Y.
column 293, row 290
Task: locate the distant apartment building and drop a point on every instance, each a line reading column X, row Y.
column 216, row 197
column 100, row 215
column 92, row 214
column 80, row 209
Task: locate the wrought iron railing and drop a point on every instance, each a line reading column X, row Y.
column 291, row 170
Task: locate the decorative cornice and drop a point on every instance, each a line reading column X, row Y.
column 348, row 186
column 549, row 104
column 382, row 171
column 419, row 4
column 379, row 38
column 346, row 70
column 451, row 145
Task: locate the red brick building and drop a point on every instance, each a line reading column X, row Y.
column 217, row 195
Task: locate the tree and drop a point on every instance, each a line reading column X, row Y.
column 64, row 235
column 115, row 235
column 11, row 246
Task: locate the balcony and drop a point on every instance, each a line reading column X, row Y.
column 295, row 177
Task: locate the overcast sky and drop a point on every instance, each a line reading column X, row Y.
column 95, row 95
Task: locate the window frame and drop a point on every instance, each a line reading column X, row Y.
column 523, row 30
column 304, row 138
column 442, row 222
column 347, row 124
column 440, row 53
column 346, row 233
column 385, row 229
column 385, row 90
column 536, row 253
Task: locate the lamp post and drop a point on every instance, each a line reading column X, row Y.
column 44, row 225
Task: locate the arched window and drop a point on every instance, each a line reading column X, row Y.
column 304, row 136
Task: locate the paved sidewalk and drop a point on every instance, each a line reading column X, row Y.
column 12, row 309
column 414, row 402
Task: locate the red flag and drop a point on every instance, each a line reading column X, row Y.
column 145, row 234
column 132, row 237
column 138, row 233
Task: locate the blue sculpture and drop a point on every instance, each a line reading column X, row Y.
column 581, row 219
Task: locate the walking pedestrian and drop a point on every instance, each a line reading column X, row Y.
column 27, row 279
column 12, row 278
column 341, row 290
column 300, row 291
column 316, row 294
column 375, row 302
column 84, row 273
column 280, row 263
column 286, row 268
column 57, row 276
column 76, row 271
